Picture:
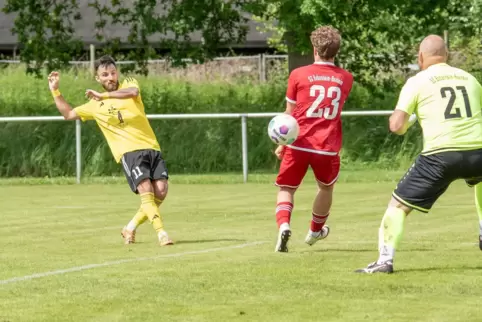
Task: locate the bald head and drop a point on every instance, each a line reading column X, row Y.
column 433, row 46
column 432, row 51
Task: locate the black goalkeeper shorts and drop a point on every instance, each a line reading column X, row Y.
column 430, row 176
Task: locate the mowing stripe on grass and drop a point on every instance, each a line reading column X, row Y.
column 122, row 261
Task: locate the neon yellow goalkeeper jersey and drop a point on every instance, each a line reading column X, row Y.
column 447, row 102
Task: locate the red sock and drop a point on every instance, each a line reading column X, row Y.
column 283, row 212
column 317, row 222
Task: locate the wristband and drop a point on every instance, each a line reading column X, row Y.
column 105, row 95
column 55, row 93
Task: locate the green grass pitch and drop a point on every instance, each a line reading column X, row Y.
column 62, row 242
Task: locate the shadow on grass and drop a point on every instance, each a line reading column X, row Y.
column 338, row 250
column 359, row 250
column 440, row 269
column 201, row 241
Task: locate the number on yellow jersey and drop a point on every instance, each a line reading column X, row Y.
column 449, row 114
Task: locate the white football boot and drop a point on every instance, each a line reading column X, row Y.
column 283, row 238
column 164, row 239
column 312, row 238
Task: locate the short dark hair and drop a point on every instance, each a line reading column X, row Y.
column 105, row 60
column 326, row 40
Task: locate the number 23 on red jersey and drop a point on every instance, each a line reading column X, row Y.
column 319, row 90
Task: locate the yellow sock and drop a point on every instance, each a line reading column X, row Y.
column 149, row 207
column 478, row 204
column 137, row 220
column 390, row 233
column 140, row 217
column 158, row 201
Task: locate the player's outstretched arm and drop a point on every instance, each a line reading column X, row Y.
column 130, row 92
column 64, row 108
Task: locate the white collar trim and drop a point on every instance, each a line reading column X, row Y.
column 324, row 63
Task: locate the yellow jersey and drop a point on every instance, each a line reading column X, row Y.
column 122, row 121
column 447, row 102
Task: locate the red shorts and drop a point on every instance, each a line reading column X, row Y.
column 295, row 164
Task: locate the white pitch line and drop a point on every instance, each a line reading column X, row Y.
column 122, row 261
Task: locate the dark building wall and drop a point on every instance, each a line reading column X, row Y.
column 255, row 41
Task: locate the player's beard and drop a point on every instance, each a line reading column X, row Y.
column 111, row 86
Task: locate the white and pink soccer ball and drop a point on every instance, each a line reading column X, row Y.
column 283, row 129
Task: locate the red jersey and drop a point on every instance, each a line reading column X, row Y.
column 319, row 92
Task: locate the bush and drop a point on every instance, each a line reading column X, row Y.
column 189, row 146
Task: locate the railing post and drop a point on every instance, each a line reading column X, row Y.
column 244, row 145
column 262, row 68
column 78, row 150
column 92, row 58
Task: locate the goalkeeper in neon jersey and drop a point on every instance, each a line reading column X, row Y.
column 447, row 103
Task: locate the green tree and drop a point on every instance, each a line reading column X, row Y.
column 465, row 21
column 378, row 36
column 45, row 30
column 465, row 37
column 218, row 22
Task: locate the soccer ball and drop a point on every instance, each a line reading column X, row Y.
column 283, row 129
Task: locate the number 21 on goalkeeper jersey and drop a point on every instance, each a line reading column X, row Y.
column 319, row 91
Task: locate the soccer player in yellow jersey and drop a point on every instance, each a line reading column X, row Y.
column 447, row 102
column 119, row 113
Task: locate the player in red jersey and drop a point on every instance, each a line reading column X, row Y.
column 315, row 97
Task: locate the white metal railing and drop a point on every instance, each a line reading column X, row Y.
column 242, row 116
